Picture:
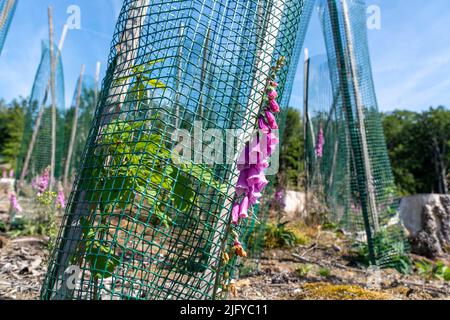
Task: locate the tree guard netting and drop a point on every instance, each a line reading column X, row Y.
column 255, row 233
column 347, row 159
column 139, row 224
column 82, row 107
column 7, row 9
column 36, row 147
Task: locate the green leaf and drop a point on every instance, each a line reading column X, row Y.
column 155, row 83
column 182, row 196
column 102, row 261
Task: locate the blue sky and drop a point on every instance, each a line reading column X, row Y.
column 410, row 53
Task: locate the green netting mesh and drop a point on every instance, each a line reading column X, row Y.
column 35, row 154
column 140, row 225
column 348, row 165
column 7, row 9
column 255, row 233
column 76, row 131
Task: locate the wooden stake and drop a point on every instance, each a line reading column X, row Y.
column 179, row 75
column 37, row 124
column 96, row 82
column 74, row 129
column 204, row 72
column 53, row 93
column 361, row 119
column 127, row 51
column 306, row 123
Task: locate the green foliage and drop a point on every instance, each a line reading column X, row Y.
column 419, row 150
column 325, row 272
column 22, row 227
column 292, row 152
column 47, row 198
column 279, row 236
column 11, row 130
column 433, row 271
column 387, row 245
column 141, row 76
column 303, row 270
column 132, row 162
column 100, row 256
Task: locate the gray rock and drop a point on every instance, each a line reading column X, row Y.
column 427, row 218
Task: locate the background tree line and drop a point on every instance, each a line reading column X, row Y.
column 419, row 149
column 418, row 144
column 12, row 120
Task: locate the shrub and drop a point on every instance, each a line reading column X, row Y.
column 279, row 236
column 430, row 271
column 325, row 272
column 303, row 270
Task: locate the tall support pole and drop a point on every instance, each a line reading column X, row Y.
column 361, row 118
column 305, row 126
column 203, row 75
column 127, row 53
column 53, row 93
column 37, row 124
column 353, row 130
column 179, row 75
column 6, row 11
column 96, row 82
column 74, row 128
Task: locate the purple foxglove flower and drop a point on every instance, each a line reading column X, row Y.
column 251, row 155
column 60, row 199
column 262, row 165
column 320, row 144
column 272, row 142
column 262, row 183
column 243, row 160
column 256, row 179
column 4, row 174
column 272, row 95
column 271, row 120
column 279, row 195
column 235, row 214
column 255, row 151
column 243, row 209
column 263, row 126
column 43, row 182
column 254, row 196
column 14, row 202
column 242, row 186
column 274, row 106
column 11, row 173
column 34, row 184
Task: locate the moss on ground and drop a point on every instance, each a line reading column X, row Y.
column 326, row 291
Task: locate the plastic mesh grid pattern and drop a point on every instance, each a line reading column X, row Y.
column 138, row 225
column 353, row 175
column 85, row 114
column 38, row 120
column 255, row 234
column 7, row 10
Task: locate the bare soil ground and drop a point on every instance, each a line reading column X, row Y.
column 22, row 267
column 332, row 275
column 23, row 264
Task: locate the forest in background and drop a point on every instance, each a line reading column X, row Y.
column 418, row 144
